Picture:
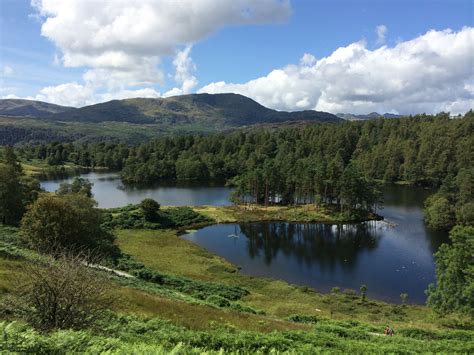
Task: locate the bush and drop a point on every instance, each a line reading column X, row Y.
column 69, row 221
column 350, row 293
column 150, row 209
column 132, row 217
column 61, row 293
column 218, row 301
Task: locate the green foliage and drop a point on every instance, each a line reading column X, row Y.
column 69, row 221
column 303, row 164
column 218, row 301
column 126, row 334
column 198, row 289
column 454, row 290
column 150, row 209
column 16, row 190
column 133, row 217
column 78, row 186
column 453, row 203
column 439, row 213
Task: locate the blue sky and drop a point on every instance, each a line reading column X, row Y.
column 234, row 51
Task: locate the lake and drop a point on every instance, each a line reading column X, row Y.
column 391, row 256
column 109, row 191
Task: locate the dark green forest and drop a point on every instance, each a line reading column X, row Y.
column 319, row 163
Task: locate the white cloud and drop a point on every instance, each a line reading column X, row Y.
column 74, row 94
column 122, row 42
column 68, row 94
column 431, row 73
column 381, row 31
column 184, row 67
column 7, row 70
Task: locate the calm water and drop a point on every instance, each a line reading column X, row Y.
column 109, row 192
column 390, row 257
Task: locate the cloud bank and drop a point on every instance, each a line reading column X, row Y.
column 121, row 45
column 122, row 42
column 430, row 73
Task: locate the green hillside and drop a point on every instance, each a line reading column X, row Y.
column 221, row 110
column 30, row 108
column 136, row 120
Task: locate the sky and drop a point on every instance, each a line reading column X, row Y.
column 405, row 56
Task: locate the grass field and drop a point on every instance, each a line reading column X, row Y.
column 155, row 319
column 164, row 251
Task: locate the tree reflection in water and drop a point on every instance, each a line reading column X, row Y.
column 309, row 243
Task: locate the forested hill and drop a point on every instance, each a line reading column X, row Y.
column 226, row 110
column 137, row 120
column 217, row 109
column 30, row 108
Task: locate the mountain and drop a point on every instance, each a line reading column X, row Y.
column 136, row 120
column 30, row 108
column 230, row 110
column 370, row 116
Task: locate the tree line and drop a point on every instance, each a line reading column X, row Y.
column 332, row 163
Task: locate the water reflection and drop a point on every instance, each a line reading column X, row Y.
column 326, row 245
column 391, row 257
column 109, row 191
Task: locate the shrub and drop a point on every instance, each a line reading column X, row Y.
column 150, row 209
column 54, row 222
column 218, row 301
column 130, row 217
column 350, row 293
column 61, row 293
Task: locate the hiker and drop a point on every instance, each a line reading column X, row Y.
column 389, row 331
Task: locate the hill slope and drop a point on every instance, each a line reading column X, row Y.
column 136, row 120
column 218, row 109
column 31, row 108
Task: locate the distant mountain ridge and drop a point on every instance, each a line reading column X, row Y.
column 370, row 116
column 220, row 110
column 30, row 108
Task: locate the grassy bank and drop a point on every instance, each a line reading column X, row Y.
column 157, row 318
column 40, row 168
column 166, row 252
